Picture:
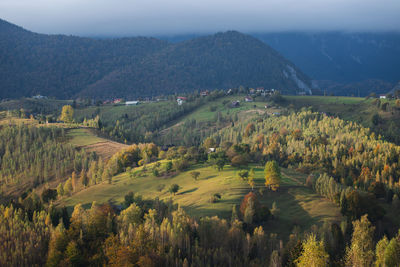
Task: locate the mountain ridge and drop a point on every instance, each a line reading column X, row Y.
column 68, row 66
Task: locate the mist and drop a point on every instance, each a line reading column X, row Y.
column 158, row 17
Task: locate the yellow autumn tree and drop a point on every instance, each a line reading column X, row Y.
column 67, row 114
column 314, row 254
column 272, row 175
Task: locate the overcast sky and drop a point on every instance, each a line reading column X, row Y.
column 169, row 17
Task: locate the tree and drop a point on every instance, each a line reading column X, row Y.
column 209, row 143
column 67, row 114
column 314, row 254
column 251, row 179
column 360, row 252
column 74, row 182
column 49, row 194
column 272, row 175
column 238, row 161
column 195, row 175
column 60, row 190
column 173, row 189
column 392, row 252
column 83, row 177
column 380, row 252
column 68, row 187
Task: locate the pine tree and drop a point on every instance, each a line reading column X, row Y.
column 83, row 177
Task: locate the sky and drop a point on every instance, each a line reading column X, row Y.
column 174, row 17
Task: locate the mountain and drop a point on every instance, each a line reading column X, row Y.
column 344, row 58
column 222, row 60
column 68, row 66
column 59, row 65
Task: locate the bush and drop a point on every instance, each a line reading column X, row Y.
column 215, row 198
column 180, row 164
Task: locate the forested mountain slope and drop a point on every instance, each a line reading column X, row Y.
column 60, row 65
column 69, row 67
column 223, row 60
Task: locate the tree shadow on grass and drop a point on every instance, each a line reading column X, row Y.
column 209, row 177
column 188, row 191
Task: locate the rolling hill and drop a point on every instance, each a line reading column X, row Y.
column 70, row 67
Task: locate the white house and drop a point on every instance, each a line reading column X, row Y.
column 132, row 103
column 382, row 96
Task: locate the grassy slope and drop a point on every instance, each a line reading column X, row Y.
column 298, row 205
column 85, row 138
column 205, row 115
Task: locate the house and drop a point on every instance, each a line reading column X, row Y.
column 211, row 150
column 235, row 104
column 382, row 96
column 39, row 97
column 117, row 101
column 268, row 92
column 181, row 100
column 252, row 91
column 132, row 103
column 248, row 99
column 260, row 90
column 204, row 93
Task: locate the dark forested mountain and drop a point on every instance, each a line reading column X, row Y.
column 359, row 61
column 59, row 65
column 66, row 66
column 221, row 61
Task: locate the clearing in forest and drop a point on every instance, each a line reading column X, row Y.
column 85, row 138
column 297, row 204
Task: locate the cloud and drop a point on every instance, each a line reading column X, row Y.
column 155, row 17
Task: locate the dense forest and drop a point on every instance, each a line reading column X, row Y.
column 345, row 162
column 31, row 156
column 71, row 67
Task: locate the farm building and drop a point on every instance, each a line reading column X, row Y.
column 132, row 103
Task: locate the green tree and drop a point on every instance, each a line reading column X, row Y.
column 272, row 175
column 314, row 254
column 68, row 187
column 392, row 252
column 251, row 179
column 60, row 190
column 67, row 114
column 173, row 189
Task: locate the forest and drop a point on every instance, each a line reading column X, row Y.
column 342, row 162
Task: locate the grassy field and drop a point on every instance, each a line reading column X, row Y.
column 207, row 112
column 298, row 205
column 85, row 138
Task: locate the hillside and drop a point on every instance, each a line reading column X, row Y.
column 60, row 65
column 349, row 59
column 302, row 206
column 223, row 60
column 69, row 67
